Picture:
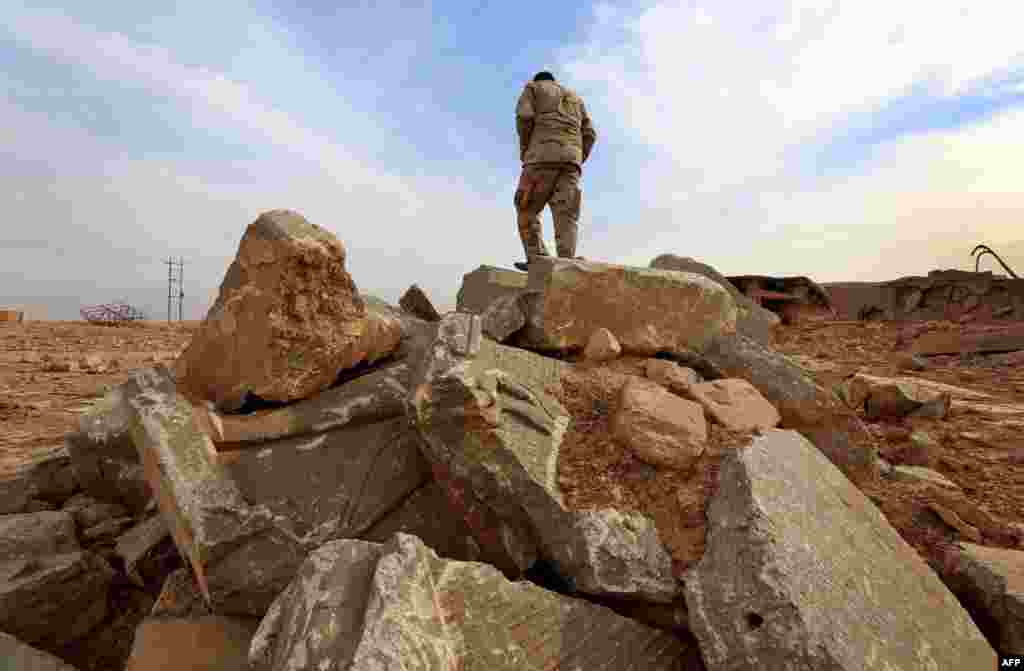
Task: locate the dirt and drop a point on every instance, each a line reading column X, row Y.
column 38, row 404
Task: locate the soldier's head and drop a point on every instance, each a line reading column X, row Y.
column 543, row 76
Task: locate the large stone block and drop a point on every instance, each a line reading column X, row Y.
column 363, row 606
column 287, row 321
column 648, row 311
column 492, row 431
column 103, row 456
column 752, row 320
column 803, row 571
column 18, row 656
column 52, row 600
column 245, row 519
column 209, row 643
column 485, row 285
column 37, row 534
column 991, row 580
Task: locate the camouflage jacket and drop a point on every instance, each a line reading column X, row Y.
column 553, row 125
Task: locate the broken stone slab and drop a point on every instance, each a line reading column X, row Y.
column 752, row 320
column 103, row 456
column 88, row 511
column 659, row 427
column 921, row 474
column 481, row 287
column 415, row 302
column 427, row 515
column 894, row 397
column 504, row 317
column 107, row 530
column 41, row 480
column 373, row 397
column 492, row 432
column 135, row 544
column 991, row 580
column 648, row 311
column 362, row 606
column 803, row 571
column 52, row 600
column 246, row 518
column 18, row 656
column 39, row 534
column 207, row 643
column 288, row 319
column 803, row 404
column 735, row 404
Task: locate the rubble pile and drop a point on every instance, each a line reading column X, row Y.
column 589, row 466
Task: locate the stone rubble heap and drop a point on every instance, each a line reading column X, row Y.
column 325, row 481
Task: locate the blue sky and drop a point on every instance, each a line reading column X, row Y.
column 845, row 141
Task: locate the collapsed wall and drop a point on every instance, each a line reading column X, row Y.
column 943, row 294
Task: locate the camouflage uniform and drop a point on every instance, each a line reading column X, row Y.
column 555, row 139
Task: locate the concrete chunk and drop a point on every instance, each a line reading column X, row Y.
column 363, row 606
column 803, row 571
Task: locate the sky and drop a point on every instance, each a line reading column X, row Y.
column 845, row 141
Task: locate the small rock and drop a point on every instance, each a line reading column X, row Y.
column 955, row 522
column 922, row 451
column 935, row 408
column 503, row 317
column 415, row 302
column 677, row 379
column 602, row 346
column 658, row 426
column 889, row 401
column 735, row 404
column 908, row 361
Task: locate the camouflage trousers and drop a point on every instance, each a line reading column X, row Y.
column 558, row 186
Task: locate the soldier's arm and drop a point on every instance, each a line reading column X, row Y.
column 588, row 132
column 524, row 120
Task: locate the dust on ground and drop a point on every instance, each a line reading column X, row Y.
column 37, row 405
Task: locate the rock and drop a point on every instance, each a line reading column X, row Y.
column 894, row 398
column 208, row 643
column 135, row 544
column 416, row 303
column 955, row 522
column 991, row 581
column 921, row 474
column 103, row 458
column 36, row 534
column 51, row 473
column 245, row 519
column 107, row 530
column 648, row 311
column 907, row 361
column 92, row 363
column 287, row 321
column 504, row 317
column 1006, row 339
column 802, row 404
column 481, row 287
column 677, row 379
column 492, row 432
column 735, row 404
column 57, row 365
column 376, row 396
column 18, row 656
column 363, row 606
column 52, row 600
column 180, row 597
column 922, row 451
column 88, row 512
column 889, row 402
column 659, row 427
column 792, row 542
column 752, row 320
column 602, row 346
column 936, row 407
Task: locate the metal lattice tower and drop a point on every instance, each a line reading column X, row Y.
column 175, row 280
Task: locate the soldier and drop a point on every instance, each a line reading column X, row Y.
column 555, row 139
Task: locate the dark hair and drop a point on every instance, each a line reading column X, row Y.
column 544, row 76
